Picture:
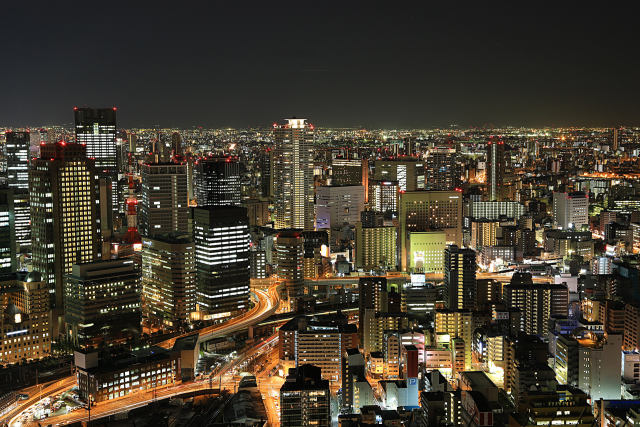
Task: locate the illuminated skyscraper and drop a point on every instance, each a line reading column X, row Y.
column 96, row 127
column 537, row 302
column 168, row 279
column 221, row 238
column 176, row 145
column 217, row 181
column 293, row 174
column 460, row 278
column 442, row 171
column 164, row 207
column 64, row 213
column 7, row 232
column 383, row 196
column 409, row 172
column 22, row 219
column 17, row 146
column 495, row 168
column 349, row 172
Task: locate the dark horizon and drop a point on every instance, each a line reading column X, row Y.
column 241, row 66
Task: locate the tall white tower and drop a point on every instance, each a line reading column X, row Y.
column 293, row 174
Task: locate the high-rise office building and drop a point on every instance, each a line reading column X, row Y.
column 64, row 214
column 305, row 399
column 258, row 264
column 164, row 207
column 168, row 279
column 221, row 239
column 408, row 172
column 442, row 170
column 429, row 211
column 484, row 232
column 18, row 155
column 372, row 296
column 96, row 128
column 22, row 220
column 383, row 196
column 176, row 145
column 17, row 151
column 7, row 232
column 495, row 168
column 571, row 210
column 289, row 248
column 103, row 302
column 217, row 181
column 349, row 172
column 336, row 206
column 293, row 174
column 460, row 278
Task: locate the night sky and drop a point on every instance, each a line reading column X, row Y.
column 399, row 65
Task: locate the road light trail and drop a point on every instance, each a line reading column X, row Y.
column 267, row 303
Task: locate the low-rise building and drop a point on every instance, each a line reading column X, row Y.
column 25, row 328
column 110, row 377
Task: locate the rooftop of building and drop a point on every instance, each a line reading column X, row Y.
column 186, row 343
column 246, row 407
column 305, row 377
column 129, row 359
column 171, row 238
column 477, row 379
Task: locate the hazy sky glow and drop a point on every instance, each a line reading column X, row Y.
column 341, row 63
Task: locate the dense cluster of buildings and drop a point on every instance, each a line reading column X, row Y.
column 459, row 277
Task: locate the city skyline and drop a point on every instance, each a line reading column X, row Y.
column 329, row 214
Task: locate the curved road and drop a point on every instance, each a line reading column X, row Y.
column 267, row 303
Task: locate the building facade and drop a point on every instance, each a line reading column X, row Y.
column 25, row 321
column 164, row 207
column 495, row 168
column 571, row 210
column 429, row 211
column 293, row 174
column 64, row 214
column 336, row 206
column 168, row 279
column 221, row 239
column 103, row 302
column 305, row 399
column 460, row 278
column 96, row 128
column 217, row 181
